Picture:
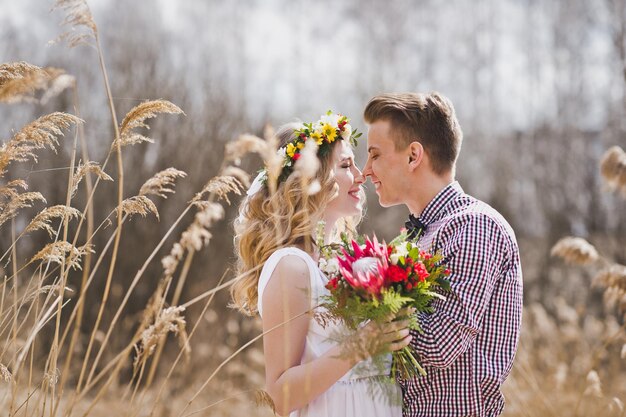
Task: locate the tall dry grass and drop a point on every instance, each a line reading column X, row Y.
column 48, row 365
column 55, row 363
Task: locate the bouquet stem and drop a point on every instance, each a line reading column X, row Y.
column 405, row 364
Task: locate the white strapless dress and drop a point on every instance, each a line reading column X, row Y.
column 362, row 392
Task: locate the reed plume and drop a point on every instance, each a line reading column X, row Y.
column 161, row 183
column 219, row 186
column 42, row 133
column 613, row 169
column 242, row 176
column 137, row 116
column 82, row 28
column 245, row 144
column 43, row 219
column 82, row 170
column 20, row 81
column 141, row 205
column 195, row 237
column 575, row 250
column 9, row 209
column 62, row 251
column 5, row 374
column 170, row 320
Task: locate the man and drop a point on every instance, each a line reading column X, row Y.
column 468, row 343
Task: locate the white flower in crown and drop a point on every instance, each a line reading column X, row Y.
column 347, row 132
column 282, row 153
column 331, row 119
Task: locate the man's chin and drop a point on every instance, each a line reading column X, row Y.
column 386, row 203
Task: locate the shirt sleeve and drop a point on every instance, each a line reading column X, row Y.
column 474, row 249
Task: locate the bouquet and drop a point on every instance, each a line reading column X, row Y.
column 369, row 281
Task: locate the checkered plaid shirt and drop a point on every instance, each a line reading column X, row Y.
column 469, row 342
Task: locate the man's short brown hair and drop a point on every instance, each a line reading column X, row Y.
column 426, row 118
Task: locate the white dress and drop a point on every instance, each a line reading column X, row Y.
column 359, row 393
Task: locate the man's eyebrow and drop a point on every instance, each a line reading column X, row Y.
column 371, row 148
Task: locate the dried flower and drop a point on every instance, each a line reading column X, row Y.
column 52, row 378
column 19, row 81
column 62, row 251
column 197, row 236
column 5, row 373
column 170, row 262
column 169, row 320
column 307, row 166
column 612, row 276
column 575, row 250
column 139, row 204
column 39, row 134
column 84, row 169
column 593, row 384
column 242, row 176
column 138, row 115
column 242, row 146
column 220, row 186
column 18, row 201
column 263, row 398
column 161, row 182
column 45, row 217
column 613, row 168
column 79, row 18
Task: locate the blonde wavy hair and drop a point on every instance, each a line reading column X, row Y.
column 270, row 221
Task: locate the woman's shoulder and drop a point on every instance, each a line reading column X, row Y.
column 288, row 255
column 287, row 269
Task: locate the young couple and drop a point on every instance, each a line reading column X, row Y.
column 468, row 343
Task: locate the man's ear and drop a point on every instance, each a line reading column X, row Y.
column 416, row 154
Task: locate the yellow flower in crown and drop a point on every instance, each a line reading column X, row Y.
column 330, row 132
column 291, row 150
column 324, row 132
column 317, row 136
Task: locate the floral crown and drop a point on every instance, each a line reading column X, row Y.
column 329, row 128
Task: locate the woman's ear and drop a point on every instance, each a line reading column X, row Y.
column 416, row 154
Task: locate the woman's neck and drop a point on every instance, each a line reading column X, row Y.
column 329, row 227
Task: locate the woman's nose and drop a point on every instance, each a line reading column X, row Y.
column 359, row 178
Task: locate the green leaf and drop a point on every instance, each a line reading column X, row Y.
column 444, row 283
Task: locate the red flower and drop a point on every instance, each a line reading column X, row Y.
column 396, row 274
column 421, row 271
column 447, row 271
column 426, row 255
column 332, row 284
column 296, row 156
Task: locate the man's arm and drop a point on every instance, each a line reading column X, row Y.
column 475, row 248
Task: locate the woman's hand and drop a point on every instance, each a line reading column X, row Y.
column 375, row 338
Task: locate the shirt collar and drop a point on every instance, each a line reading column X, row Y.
column 435, row 208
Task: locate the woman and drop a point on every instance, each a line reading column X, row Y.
column 307, row 372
